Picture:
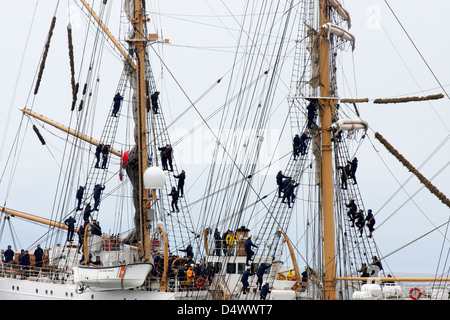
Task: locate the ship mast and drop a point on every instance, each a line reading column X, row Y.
column 139, row 42
column 326, row 172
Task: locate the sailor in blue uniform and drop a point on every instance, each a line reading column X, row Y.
column 174, row 194
column 97, row 192
column 217, row 242
column 353, row 166
column 296, row 146
column 189, row 251
column 81, row 230
column 289, row 192
column 163, row 156
column 98, row 151
column 311, row 114
column 105, row 152
column 248, row 245
column 87, row 213
column 264, row 291
column 79, row 196
column 370, row 222
column 154, row 98
column 38, row 253
column 70, row 223
column 117, row 99
column 304, row 137
column 352, row 211
column 280, row 178
column 9, row 255
column 260, row 273
column 181, row 178
column 360, row 221
column 244, row 280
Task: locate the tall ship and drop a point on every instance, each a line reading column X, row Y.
column 253, row 190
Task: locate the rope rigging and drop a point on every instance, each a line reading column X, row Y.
column 235, row 194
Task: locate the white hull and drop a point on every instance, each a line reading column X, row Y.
column 15, row 289
column 112, row 278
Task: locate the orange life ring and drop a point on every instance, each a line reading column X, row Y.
column 415, row 297
column 201, row 283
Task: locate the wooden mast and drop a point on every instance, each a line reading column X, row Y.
column 326, row 172
column 140, row 42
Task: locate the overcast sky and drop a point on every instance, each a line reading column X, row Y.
column 202, row 35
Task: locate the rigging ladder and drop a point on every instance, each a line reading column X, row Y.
column 179, row 225
column 99, row 175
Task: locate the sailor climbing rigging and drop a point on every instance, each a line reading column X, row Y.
column 311, row 114
column 154, row 98
column 117, row 100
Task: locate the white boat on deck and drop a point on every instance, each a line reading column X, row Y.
column 121, row 277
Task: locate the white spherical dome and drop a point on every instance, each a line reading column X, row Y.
column 154, row 178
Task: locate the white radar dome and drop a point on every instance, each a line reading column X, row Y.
column 154, row 178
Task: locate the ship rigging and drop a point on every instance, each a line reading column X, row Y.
column 237, row 194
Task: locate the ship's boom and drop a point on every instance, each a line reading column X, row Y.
column 31, row 217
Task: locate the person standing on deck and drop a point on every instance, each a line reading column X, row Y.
column 217, row 242
column 38, row 253
column 9, row 255
column 189, row 251
column 25, row 260
column 230, row 241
